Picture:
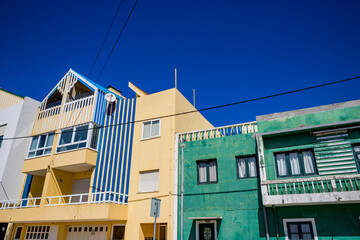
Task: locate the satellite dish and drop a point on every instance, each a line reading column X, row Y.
column 110, row 97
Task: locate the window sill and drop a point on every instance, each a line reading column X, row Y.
column 157, row 191
column 72, row 150
column 149, row 138
column 44, row 155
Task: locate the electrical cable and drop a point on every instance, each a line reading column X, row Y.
column 107, row 34
column 214, row 107
column 122, row 30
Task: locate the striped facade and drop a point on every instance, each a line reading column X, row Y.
column 115, row 145
column 8, row 99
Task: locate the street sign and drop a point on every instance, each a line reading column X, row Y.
column 155, row 207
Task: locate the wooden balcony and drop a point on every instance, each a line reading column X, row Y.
column 312, row 191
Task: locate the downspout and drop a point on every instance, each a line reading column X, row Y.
column 182, row 193
column 266, row 224
column 276, row 225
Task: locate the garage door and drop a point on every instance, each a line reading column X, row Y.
column 41, row 232
column 85, row 232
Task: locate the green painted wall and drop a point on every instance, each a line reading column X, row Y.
column 235, row 200
column 310, row 119
column 331, row 221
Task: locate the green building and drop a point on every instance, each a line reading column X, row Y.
column 290, row 175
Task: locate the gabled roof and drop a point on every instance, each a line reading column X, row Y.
column 77, row 77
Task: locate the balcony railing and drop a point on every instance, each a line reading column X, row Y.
column 243, row 128
column 325, row 189
column 85, row 198
column 20, row 203
column 71, row 113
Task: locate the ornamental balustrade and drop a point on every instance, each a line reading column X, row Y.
column 237, row 129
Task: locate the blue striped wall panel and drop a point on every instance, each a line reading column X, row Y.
column 115, row 143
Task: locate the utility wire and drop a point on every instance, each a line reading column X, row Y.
column 122, row 30
column 107, row 34
column 215, row 107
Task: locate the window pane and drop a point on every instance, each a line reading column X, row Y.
column 66, row 136
column 281, row 164
column 357, row 148
column 39, row 152
column 212, row 171
column 146, row 130
column 47, row 151
column 252, row 167
column 241, row 167
column 94, row 138
column 308, row 162
column 34, row 143
column 81, row 133
column 294, row 231
column 31, row 154
column 155, row 128
column 294, row 164
column 50, row 139
column 42, row 141
column 202, row 172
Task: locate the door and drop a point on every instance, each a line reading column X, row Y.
column 206, row 231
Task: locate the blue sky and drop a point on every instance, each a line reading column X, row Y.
column 227, row 50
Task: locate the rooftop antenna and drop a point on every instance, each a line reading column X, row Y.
column 194, row 96
column 175, row 78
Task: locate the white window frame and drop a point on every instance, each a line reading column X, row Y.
column 112, row 229
column 37, row 148
column 290, row 220
column 87, row 141
column 205, row 221
column 151, row 124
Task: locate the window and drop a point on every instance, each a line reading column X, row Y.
column 207, row 171
column 246, row 167
column 118, row 232
column 78, row 137
column 1, row 140
column 151, row 129
column 357, row 156
column 149, row 181
column 303, row 228
column 296, row 163
column 41, row 145
column 37, row 232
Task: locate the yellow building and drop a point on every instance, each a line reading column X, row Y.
column 153, row 165
column 78, row 182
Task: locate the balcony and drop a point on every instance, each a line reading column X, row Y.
column 72, row 161
column 310, row 191
column 243, row 128
column 101, row 206
column 61, row 116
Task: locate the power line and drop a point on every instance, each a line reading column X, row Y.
column 107, row 34
column 122, row 30
column 215, row 107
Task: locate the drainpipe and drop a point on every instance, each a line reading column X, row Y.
column 276, row 226
column 266, row 223
column 182, row 192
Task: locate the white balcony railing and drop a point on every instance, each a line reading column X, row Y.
column 243, row 128
column 20, row 203
column 85, row 198
column 341, row 188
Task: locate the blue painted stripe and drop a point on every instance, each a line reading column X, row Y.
column 130, row 150
column 27, row 186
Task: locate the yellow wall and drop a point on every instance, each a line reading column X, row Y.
column 157, row 153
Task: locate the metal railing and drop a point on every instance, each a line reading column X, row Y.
column 20, row 203
column 328, row 184
column 85, row 198
column 242, row 128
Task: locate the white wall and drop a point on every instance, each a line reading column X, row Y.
column 20, row 120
